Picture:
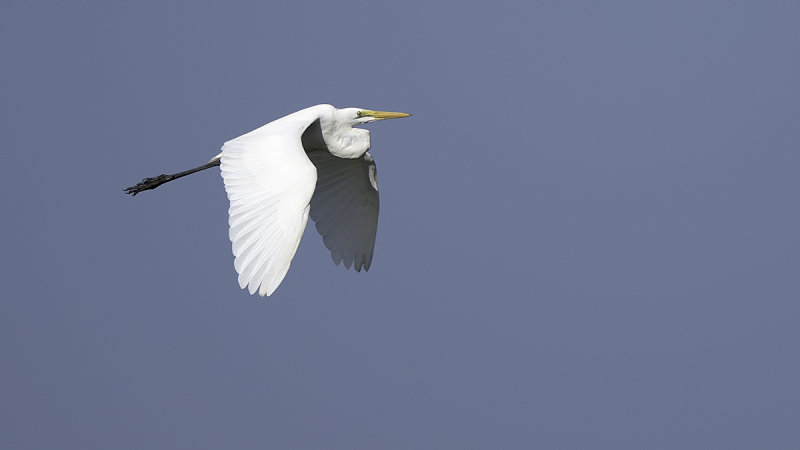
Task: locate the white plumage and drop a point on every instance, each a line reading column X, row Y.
column 312, row 160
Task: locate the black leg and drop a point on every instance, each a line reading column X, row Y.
column 154, row 182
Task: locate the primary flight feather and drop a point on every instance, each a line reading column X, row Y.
column 313, row 161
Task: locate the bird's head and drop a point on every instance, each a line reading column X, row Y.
column 340, row 135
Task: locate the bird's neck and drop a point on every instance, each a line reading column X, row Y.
column 345, row 141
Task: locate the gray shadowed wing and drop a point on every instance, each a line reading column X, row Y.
column 345, row 207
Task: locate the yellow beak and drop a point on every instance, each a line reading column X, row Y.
column 380, row 115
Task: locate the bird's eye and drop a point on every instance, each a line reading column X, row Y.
column 360, row 114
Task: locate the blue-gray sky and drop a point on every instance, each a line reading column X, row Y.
column 588, row 233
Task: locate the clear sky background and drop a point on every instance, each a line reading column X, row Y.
column 588, row 234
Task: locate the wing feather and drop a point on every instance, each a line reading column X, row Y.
column 345, row 207
column 270, row 182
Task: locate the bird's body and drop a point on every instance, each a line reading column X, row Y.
column 311, row 161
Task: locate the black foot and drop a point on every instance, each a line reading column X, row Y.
column 148, row 183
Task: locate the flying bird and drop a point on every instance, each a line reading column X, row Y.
column 311, row 162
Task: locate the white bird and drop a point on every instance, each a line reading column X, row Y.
column 311, row 160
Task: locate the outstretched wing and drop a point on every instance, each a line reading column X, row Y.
column 345, row 207
column 269, row 181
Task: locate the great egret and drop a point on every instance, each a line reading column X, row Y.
column 311, row 159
